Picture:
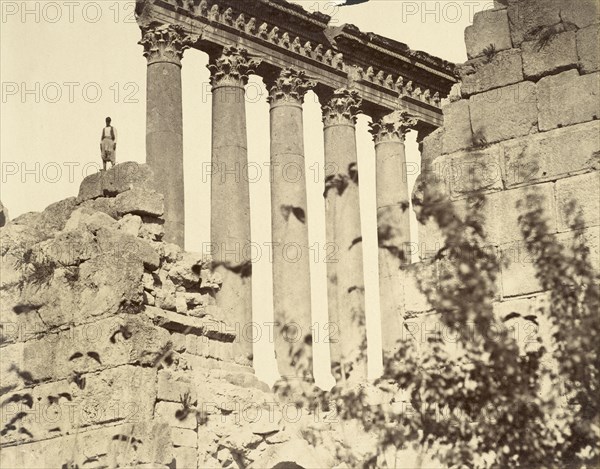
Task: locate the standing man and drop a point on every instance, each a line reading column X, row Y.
column 108, row 144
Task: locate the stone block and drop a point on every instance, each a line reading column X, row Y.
column 585, row 191
column 457, row 127
column 551, row 155
column 490, row 28
column 120, row 178
column 130, row 224
column 172, row 386
column 483, row 74
column 559, row 53
column 184, row 437
column 84, row 349
column 501, row 213
column 518, row 276
column 588, row 50
column 107, row 447
column 140, row 201
column 119, row 244
column 432, row 145
column 88, row 219
column 591, row 239
column 567, row 99
column 103, row 204
column 581, row 13
column 466, row 171
column 504, row 113
column 528, row 17
column 170, row 412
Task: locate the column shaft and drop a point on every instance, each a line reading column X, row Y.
column 345, row 288
column 230, row 195
column 393, row 222
column 163, row 47
column 291, row 260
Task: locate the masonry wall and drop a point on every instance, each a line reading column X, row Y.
column 525, row 116
column 112, row 351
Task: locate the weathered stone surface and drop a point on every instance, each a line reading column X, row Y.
column 504, row 113
column 501, row 212
column 4, row 218
column 69, row 248
column 140, row 201
column 584, row 190
column 186, row 458
column 483, row 74
column 457, row 127
column 108, row 446
column 587, row 48
column 466, row 171
column 152, row 231
column 120, row 244
column 130, row 224
column 553, row 154
column 92, row 347
column 528, row 17
column 567, row 99
column 120, row 178
column 170, row 412
column 559, row 53
column 490, row 28
column 591, row 239
column 432, row 146
column 184, row 437
column 582, row 13
column 124, row 394
column 51, row 220
column 89, row 219
column 103, row 204
column 518, row 276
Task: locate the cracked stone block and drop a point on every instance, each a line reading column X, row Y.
column 559, row 53
column 139, row 201
column 478, row 75
column 527, row 17
column 587, row 48
column 504, row 113
column 120, row 178
column 568, row 98
column 490, row 29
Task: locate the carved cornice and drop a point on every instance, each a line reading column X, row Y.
column 166, row 43
column 233, row 67
column 342, row 108
column 289, row 87
column 392, row 127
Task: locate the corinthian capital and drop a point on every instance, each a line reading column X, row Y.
column 393, row 126
column 232, row 67
column 342, row 108
column 166, row 43
column 290, row 86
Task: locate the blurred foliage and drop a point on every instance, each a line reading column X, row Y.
column 488, row 403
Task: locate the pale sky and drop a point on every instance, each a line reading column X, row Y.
column 66, row 65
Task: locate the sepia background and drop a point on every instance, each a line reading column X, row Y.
column 65, row 66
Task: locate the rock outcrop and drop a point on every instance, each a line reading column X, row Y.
column 112, row 349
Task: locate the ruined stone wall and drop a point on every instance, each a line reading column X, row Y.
column 112, row 353
column 525, row 116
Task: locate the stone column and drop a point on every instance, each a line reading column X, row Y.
column 291, row 260
column 163, row 47
column 230, row 198
column 393, row 225
column 345, row 286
